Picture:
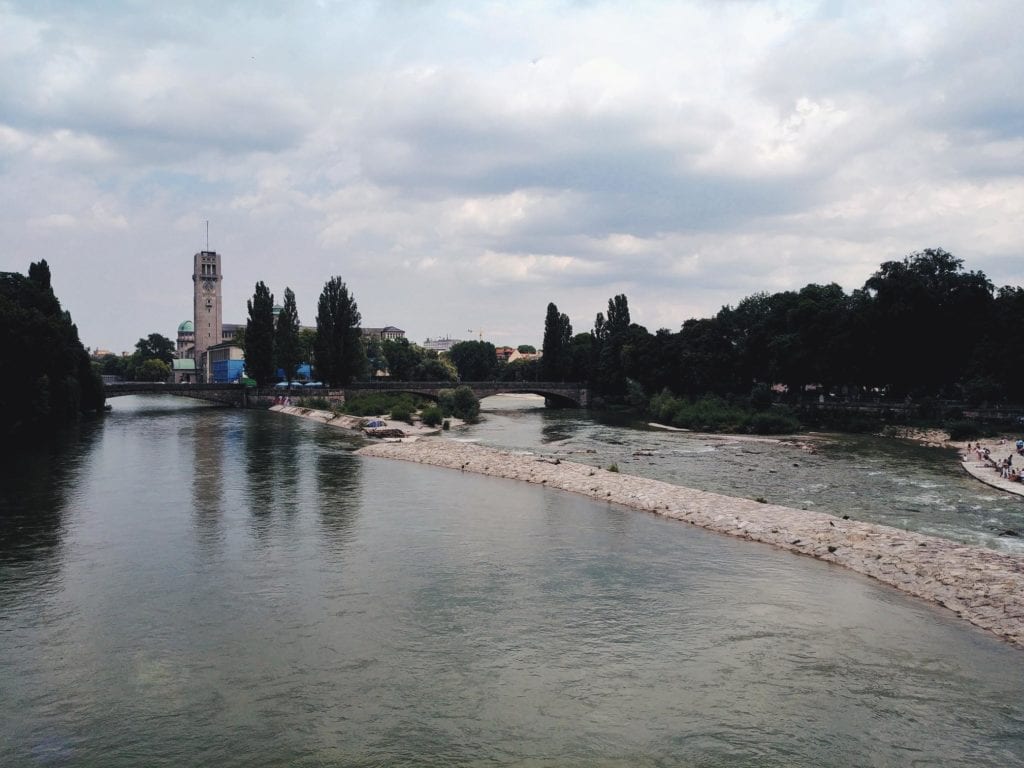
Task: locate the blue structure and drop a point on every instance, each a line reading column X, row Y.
column 303, row 373
column 226, row 371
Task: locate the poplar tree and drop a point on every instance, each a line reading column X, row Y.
column 286, row 337
column 259, row 336
column 557, row 340
column 338, row 349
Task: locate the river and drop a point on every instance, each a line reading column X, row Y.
column 185, row 585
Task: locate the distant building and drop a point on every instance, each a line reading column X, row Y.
column 388, row 333
column 441, row 345
column 505, row 353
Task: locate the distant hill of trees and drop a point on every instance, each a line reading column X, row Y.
column 47, row 378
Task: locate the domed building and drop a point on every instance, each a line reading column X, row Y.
column 184, row 363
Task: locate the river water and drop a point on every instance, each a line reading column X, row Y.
column 184, row 585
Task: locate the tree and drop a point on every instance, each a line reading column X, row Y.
column 155, row 347
column 154, row 370
column 48, row 378
column 474, row 360
column 926, row 316
column 259, row 336
column 609, row 376
column 286, row 337
column 555, row 361
column 338, row 351
column 526, row 349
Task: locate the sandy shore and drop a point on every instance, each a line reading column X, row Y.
column 980, row 585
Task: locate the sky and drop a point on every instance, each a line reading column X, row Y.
column 462, row 164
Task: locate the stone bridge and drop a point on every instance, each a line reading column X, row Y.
column 227, row 394
column 557, row 393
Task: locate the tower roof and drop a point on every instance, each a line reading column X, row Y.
column 186, row 327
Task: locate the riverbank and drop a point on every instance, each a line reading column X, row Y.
column 355, row 423
column 980, row 585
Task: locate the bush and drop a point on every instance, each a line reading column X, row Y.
column 613, row 467
column 375, row 403
column 315, row 403
column 446, row 425
column 446, row 402
column 761, row 398
column 772, row 423
column 431, row 416
column 465, row 404
column 401, row 412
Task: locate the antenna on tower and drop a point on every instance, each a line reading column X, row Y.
column 207, row 234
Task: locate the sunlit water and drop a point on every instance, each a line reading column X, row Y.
column 207, row 587
column 881, row 480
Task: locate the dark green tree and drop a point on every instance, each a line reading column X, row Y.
column 155, row 347
column 474, row 360
column 338, row 350
column 259, row 336
column 526, row 349
column 48, row 379
column 286, row 337
column 555, row 360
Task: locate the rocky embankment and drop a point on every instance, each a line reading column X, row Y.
column 980, row 585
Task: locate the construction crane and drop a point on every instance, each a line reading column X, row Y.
column 479, row 332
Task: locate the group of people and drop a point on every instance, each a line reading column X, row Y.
column 1005, row 466
column 282, row 400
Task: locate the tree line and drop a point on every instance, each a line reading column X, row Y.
column 919, row 327
column 48, row 379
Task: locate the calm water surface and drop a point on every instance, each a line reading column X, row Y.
column 195, row 586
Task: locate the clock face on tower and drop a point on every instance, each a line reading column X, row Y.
column 207, row 285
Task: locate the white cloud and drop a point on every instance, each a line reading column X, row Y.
column 462, row 164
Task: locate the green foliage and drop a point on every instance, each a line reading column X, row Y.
column 555, row 359
column 339, row 355
column 378, row 403
column 526, row 349
column 446, row 425
column 154, row 370
column 772, row 423
column 446, row 402
column 613, row 467
column 286, row 337
column 401, row 412
column 410, row 362
column 431, row 416
column 155, row 347
column 761, row 397
column 259, row 335
column 48, row 379
column 474, row 360
column 465, row 405
column 315, row 403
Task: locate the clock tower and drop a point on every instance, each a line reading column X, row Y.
column 208, row 322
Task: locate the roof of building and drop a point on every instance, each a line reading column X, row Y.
column 186, row 327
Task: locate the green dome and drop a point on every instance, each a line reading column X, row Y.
column 186, row 327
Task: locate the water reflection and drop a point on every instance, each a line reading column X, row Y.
column 340, row 494
column 35, row 486
column 207, row 439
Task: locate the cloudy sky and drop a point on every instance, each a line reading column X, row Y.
column 461, row 164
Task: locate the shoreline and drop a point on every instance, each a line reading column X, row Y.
column 982, row 586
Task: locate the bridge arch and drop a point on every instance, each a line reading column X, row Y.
column 235, row 395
